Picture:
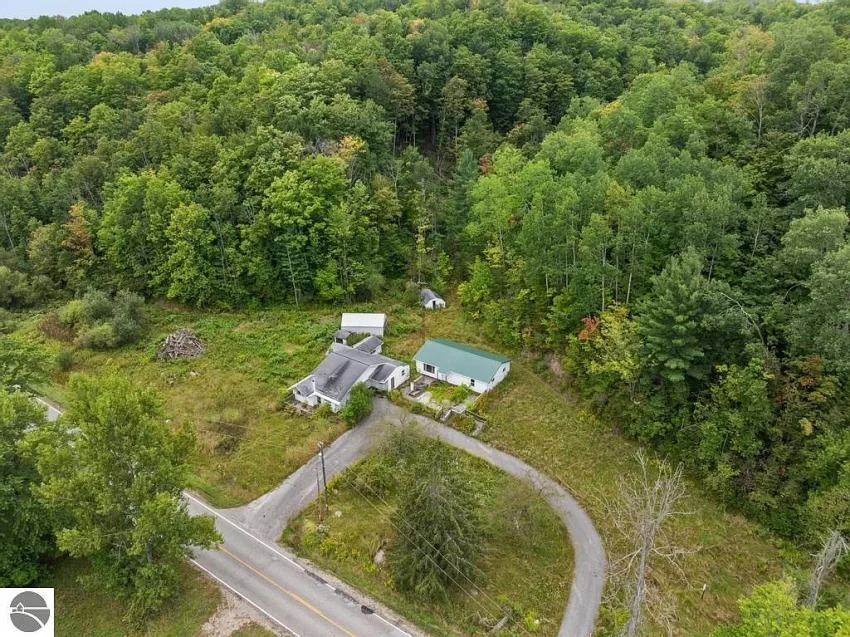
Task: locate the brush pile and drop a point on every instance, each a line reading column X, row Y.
column 181, row 344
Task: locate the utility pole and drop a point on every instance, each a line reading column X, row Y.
column 319, row 492
column 324, row 476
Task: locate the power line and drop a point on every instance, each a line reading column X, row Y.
column 500, row 608
column 274, row 449
column 419, row 548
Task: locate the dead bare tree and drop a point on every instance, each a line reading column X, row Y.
column 834, row 548
column 646, row 501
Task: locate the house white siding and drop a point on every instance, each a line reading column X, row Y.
column 316, row 399
column 500, row 375
column 453, row 378
column 365, row 329
column 396, row 379
column 435, row 373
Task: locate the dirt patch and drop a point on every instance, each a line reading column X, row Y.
column 232, row 614
column 554, row 363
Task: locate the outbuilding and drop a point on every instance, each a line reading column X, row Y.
column 459, row 364
column 431, row 300
column 360, row 323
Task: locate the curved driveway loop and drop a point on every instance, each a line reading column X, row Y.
column 269, row 514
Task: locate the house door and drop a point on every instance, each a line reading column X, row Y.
column 392, row 383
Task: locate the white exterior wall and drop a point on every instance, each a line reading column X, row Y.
column 454, row 378
column 361, row 329
column 399, row 377
column 316, row 399
column 433, row 304
column 420, row 367
column 500, row 375
column 457, row 379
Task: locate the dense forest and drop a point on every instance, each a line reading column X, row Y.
column 654, row 192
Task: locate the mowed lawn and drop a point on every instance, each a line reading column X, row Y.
column 247, row 444
column 526, row 563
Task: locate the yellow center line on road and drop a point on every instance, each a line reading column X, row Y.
column 297, row 598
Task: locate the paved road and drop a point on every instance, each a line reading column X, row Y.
column 305, row 602
column 268, row 515
column 302, row 602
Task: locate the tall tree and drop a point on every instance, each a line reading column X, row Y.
column 24, row 523
column 112, row 475
column 669, row 318
column 438, row 531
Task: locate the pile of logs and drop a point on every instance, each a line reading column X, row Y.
column 182, row 344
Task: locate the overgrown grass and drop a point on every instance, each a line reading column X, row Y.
column 533, row 416
column 526, row 564
column 247, row 446
column 247, row 443
column 84, row 613
column 252, row 630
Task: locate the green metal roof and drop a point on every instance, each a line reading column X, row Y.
column 450, row 356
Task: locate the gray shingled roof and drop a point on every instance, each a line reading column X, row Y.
column 426, row 295
column 342, row 368
column 369, row 344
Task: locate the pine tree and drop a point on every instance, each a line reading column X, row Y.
column 438, row 531
column 669, row 319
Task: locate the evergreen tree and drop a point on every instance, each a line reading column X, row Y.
column 669, row 319
column 438, row 530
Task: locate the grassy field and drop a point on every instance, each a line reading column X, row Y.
column 532, row 415
column 526, row 562
column 247, row 445
column 246, row 442
column 83, row 613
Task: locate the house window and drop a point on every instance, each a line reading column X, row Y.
column 472, row 382
column 429, row 369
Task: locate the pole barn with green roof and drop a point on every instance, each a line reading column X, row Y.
column 459, row 364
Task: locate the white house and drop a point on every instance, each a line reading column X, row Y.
column 344, row 367
column 459, row 364
column 356, row 323
column 431, row 300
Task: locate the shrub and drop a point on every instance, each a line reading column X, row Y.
column 359, row 405
column 41, row 289
column 53, row 327
column 7, row 321
column 99, row 336
column 97, row 306
column 127, row 317
column 460, row 393
column 72, row 313
column 65, row 360
column 323, row 411
column 13, row 288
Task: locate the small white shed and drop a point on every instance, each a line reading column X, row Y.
column 357, row 323
column 431, row 300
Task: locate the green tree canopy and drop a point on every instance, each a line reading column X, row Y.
column 112, row 475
